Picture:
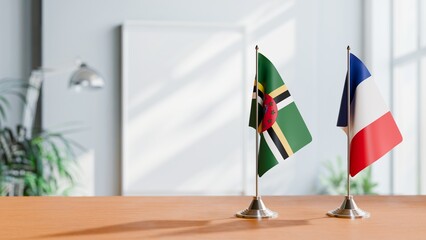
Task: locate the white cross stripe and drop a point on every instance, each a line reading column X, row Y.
column 285, row 102
column 259, row 99
column 272, row 146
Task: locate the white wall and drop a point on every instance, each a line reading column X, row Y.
column 378, row 59
column 306, row 40
column 402, row 171
column 340, row 23
column 15, row 48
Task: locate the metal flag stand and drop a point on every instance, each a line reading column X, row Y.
column 257, row 208
column 348, row 209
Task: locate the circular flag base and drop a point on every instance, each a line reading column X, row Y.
column 257, row 209
column 349, row 209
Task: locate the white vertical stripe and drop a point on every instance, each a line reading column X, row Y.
column 272, row 146
column 285, row 102
column 259, row 99
column 367, row 106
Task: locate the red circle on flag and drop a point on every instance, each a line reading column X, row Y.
column 270, row 112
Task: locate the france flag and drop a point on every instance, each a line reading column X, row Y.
column 373, row 129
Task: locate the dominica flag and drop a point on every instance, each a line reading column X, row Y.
column 373, row 129
column 281, row 127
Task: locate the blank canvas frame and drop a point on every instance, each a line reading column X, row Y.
column 184, row 109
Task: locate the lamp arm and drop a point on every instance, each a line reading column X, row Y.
column 32, row 97
column 83, row 76
column 33, row 94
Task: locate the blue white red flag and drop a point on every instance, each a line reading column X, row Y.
column 373, row 129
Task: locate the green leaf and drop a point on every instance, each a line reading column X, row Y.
column 4, row 101
column 20, row 95
column 30, row 182
column 2, row 113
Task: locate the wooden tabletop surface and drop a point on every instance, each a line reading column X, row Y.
column 300, row 217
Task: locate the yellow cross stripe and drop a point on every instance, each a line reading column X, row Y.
column 261, row 88
column 278, row 91
column 282, row 138
column 259, row 128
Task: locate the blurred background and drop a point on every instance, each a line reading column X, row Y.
column 172, row 115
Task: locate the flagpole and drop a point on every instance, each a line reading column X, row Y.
column 257, row 124
column 348, row 209
column 349, row 120
column 257, row 208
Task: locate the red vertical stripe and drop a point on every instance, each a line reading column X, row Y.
column 373, row 141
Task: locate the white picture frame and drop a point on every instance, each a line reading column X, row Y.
column 184, row 101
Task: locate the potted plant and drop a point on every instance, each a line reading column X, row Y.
column 32, row 165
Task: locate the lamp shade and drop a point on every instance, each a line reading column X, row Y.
column 86, row 77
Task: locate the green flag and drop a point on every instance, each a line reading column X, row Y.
column 281, row 127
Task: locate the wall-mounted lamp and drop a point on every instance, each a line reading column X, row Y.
column 82, row 77
column 86, row 77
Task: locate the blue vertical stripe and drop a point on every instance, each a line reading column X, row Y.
column 359, row 73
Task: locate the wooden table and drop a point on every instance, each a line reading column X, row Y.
column 392, row 217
